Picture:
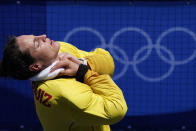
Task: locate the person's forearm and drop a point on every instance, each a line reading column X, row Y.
column 112, row 95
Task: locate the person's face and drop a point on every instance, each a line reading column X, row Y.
column 44, row 50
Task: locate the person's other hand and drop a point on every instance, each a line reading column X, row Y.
column 69, row 63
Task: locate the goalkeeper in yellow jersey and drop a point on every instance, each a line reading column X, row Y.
column 73, row 89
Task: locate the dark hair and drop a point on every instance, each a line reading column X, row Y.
column 15, row 63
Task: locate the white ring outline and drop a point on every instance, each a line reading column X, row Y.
column 150, row 79
column 75, row 30
column 140, row 31
column 175, row 29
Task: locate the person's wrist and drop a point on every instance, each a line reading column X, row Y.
column 82, row 69
column 83, row 61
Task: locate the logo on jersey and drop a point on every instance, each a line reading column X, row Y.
column 41, row 96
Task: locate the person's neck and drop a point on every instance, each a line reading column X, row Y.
column 49, row 63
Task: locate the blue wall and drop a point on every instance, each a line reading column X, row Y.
column 17, row 106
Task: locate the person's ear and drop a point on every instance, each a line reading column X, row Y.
column 35, row 67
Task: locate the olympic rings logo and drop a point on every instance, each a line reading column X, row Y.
column 149, row 47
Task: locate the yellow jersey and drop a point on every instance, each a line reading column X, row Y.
column 64, row 104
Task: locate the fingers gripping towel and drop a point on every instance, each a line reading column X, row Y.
column 47, row 75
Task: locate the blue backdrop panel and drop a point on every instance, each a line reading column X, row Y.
column 153, row 44
column 17, row 106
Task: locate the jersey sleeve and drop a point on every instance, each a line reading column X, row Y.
column 98, row 101
column 101, row 61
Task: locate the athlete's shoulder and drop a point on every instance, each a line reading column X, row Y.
column 55, row 86
column 59, row 83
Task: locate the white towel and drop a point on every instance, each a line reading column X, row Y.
column 47, row 75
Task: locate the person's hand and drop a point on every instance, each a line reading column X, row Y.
column 69, row 63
